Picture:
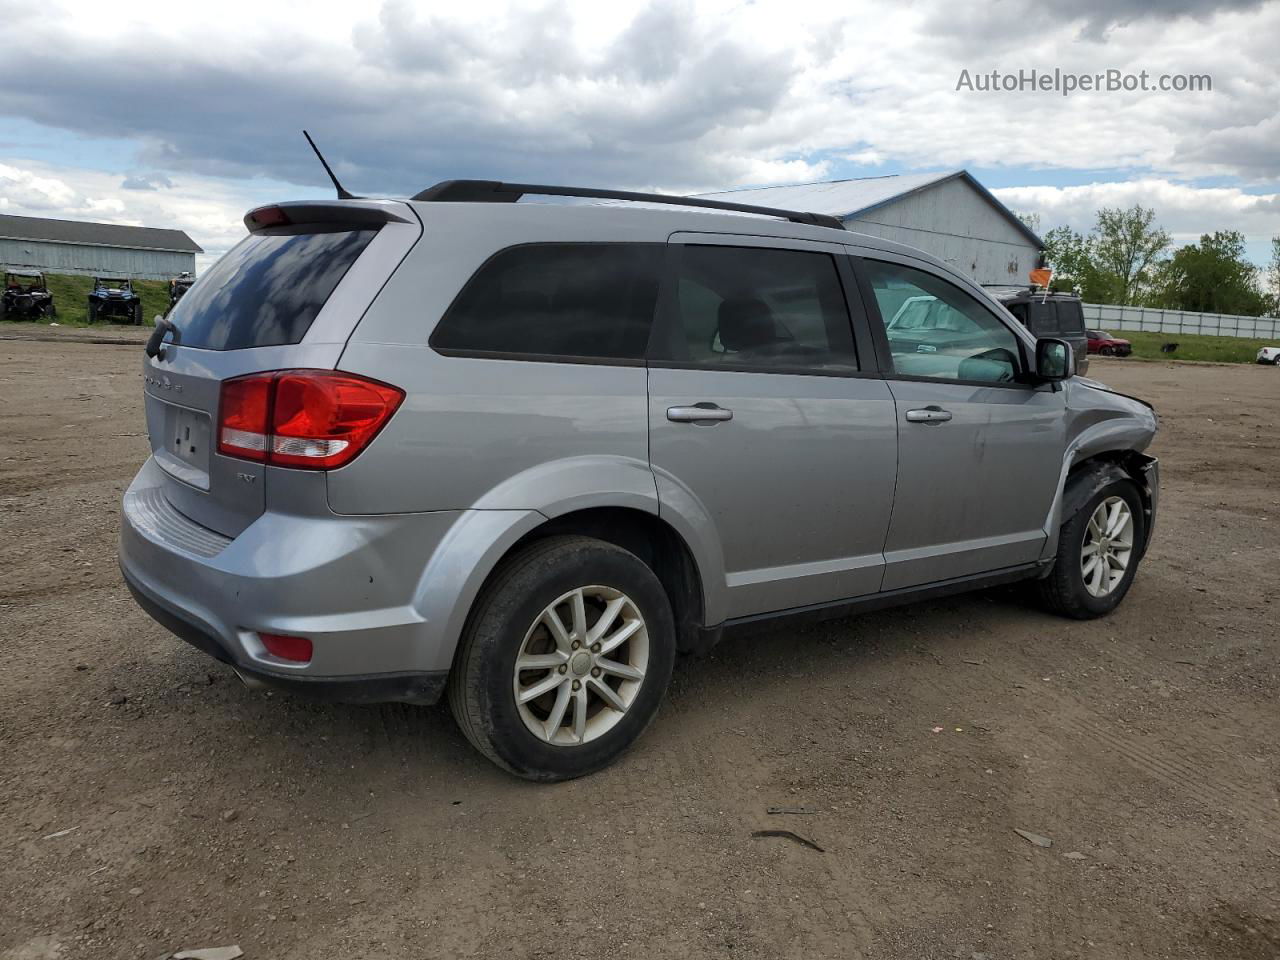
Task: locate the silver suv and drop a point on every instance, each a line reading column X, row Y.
column 526, row 453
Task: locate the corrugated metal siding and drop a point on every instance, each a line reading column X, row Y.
column 1108, row 317
column 955, row 224
column 90, row 260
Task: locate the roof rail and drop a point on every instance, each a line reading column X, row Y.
column 495, row 191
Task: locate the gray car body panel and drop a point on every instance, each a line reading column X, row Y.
column 816, row 490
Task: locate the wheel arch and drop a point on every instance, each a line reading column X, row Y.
column 1088, row 475
column 655, row 542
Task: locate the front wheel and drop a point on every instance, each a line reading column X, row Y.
column 1107, row 351
column 565, row 659
column 1098, row 553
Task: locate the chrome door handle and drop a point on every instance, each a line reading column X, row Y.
column 698, row 413
column 930, row 414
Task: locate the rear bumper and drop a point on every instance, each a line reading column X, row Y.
column 354, row 585
column 423, row 688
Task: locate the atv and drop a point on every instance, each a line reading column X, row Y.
column 178, row 286
column 113, row 298
column 26, row 297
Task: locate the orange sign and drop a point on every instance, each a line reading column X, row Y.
column 1041, row 277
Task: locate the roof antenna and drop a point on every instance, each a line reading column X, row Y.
column 342, row 191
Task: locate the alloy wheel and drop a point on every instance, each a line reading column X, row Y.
column 1108, row 546
column 581, row 665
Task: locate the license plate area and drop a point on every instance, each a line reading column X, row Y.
column 185, row 445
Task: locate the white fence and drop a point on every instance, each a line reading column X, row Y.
column 1106, row 317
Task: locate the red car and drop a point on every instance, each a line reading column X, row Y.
column 1108, row 346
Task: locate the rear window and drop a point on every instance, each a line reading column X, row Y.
column 557, row 300
column 1070, row 316
column 267, row 289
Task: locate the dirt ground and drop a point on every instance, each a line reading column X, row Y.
column 150, row 803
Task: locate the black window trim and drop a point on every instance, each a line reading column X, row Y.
column 667, row 315
column 880, row 333
column 546, row 357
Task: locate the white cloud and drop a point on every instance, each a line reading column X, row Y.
column 665, row 93
column 1185, row 211
column 23, row 190
column 210, row 211
column 676, row 95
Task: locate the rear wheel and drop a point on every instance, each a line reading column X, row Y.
column 1098, row 553
column 565, row 659
column 1107, row 351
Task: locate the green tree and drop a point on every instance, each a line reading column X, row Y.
column 1126, row 248
column 1115, row 262
column 1273, row 277
column 1211, row 276
column 1068, row 253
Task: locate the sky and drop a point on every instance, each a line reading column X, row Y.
column 171, row 115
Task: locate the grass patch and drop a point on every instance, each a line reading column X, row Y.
column 71, row 297
column 1194, row 347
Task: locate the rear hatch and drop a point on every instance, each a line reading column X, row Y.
column 286, row 297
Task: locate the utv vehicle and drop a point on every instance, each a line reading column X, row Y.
column 178, row 286
column 26, row 297
column 114, row 298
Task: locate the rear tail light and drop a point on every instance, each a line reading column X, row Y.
column 312, row 419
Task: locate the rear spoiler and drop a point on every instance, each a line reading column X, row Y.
column 353, row 213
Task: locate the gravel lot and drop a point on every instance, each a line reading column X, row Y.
column 150, row 803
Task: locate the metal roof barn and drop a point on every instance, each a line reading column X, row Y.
column 94, row 249
column 950, row 215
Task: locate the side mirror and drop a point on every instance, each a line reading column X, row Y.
column 1055, row 360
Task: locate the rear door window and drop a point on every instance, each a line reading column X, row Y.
column 268, row 289
column 557, row 301
column 1043, row 320
column 753, row 308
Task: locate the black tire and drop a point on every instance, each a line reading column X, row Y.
column 1063, row 592
column 92, row 314
column 136, row 314
column 480, row 684
column 1107, row 351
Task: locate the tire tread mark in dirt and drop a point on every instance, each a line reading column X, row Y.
column 1187, row 777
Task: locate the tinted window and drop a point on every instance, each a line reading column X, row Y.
column 558, row 300
column 751, row 307
column 1043, row 321
column 267, row 289
column 937, row 330
column 1070, row 316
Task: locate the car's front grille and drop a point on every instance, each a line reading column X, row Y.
column 157, row 519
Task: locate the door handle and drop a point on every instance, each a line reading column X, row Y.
column 930, row 414
column 698, row 413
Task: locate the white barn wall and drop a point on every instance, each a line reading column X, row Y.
column 93, row 260
column 956, row 224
